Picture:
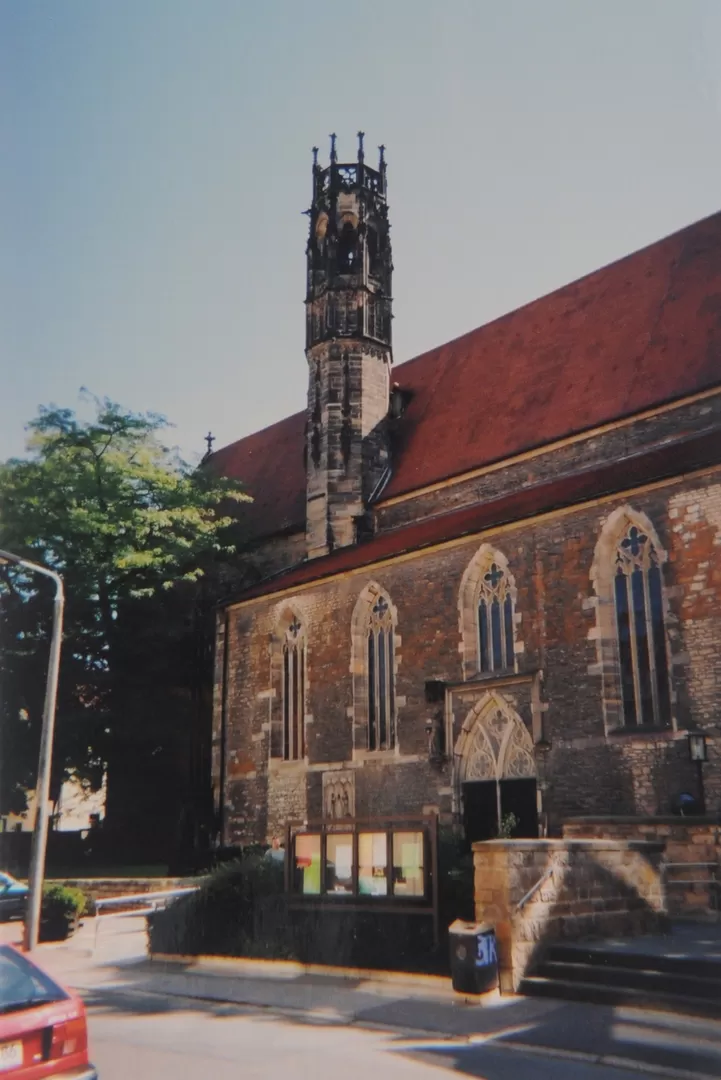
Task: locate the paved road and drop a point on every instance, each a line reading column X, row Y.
column 149, row 1021
column 144, row 1036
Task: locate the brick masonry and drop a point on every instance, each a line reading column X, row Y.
column 585, row 765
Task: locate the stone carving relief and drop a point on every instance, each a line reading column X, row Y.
column 338, row 795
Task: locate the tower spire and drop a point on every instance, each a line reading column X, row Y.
column 348, row 345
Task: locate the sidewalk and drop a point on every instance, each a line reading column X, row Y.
column 421, row 1012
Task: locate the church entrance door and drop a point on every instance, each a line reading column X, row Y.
column 496, row 772
column 481, row 819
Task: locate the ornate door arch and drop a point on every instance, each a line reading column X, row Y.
column 494, row 745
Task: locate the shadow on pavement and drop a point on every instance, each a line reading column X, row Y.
column 450, row 1033
column 603, row 1033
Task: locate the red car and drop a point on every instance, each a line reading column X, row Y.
column 43, row 1029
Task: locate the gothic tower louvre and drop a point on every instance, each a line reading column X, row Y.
column 348, row 346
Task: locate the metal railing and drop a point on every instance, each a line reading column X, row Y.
column 152, row 901
column 710, row 882
column 534, row 889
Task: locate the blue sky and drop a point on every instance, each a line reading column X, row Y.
column 156, row 160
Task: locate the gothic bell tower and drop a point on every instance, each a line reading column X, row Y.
column 348, row 346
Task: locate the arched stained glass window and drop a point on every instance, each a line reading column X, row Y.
column 294, row 692
column 643, row 662
column 495, row 621
column 381, row 677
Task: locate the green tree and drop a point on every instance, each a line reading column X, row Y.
column 144, row 541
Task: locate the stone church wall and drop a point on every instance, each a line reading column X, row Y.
column 583, row 767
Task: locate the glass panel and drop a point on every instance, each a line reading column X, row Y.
column 295, row 749
column 483, row 635
column 624, row 650
column 642, row 643
column 508, row 623
column 371, row 692
column 391, row 692
column 496, row 634
column 659, row 643
column 22, row 985
column 286, row 704
column 301, row 707
column 372, row 864
column 408, row 864
column 306, row 869
column 339, row 864
column 382, row 690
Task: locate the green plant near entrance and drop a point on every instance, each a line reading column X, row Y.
column 509, row 823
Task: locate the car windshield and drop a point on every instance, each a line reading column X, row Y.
column 22, row 985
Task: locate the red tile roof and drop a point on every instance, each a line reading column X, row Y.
column 638, row 333
column 684, row 455
column 271, row 464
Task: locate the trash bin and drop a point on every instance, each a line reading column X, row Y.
column 474, row 959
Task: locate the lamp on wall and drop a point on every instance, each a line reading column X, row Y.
column 698, row 752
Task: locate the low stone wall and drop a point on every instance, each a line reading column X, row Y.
column 105, row 888
column 592, row 888
column 689, row 842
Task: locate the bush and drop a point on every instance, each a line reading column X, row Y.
column 61, row 909
column 240, row 910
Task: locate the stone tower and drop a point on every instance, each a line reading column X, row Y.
column 348, row 346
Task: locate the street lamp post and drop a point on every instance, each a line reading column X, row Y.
column 42, row 788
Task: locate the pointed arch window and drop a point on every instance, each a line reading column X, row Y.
column 294, row 692
column 495, row 620
column 640, row 630
column 381, row 677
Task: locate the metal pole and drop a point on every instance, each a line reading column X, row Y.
column 701, row 792
column 42, row 787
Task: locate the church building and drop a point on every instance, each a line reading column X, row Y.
column 491, row 575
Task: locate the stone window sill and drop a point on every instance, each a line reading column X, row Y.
column 376, row 755
column 281, row 765
column 650, row 731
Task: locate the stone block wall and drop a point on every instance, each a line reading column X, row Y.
column 346, row 448
column 107, row 888
column 591, row 888
column 689, row 842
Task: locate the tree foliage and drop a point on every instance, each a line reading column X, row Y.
column 135, row 531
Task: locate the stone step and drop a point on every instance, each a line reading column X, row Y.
column 598, row 957
column 640, row 978
column 539, row 986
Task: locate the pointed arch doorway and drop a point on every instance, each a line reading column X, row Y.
column 495, row 771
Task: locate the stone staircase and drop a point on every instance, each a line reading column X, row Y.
column 660, row 974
